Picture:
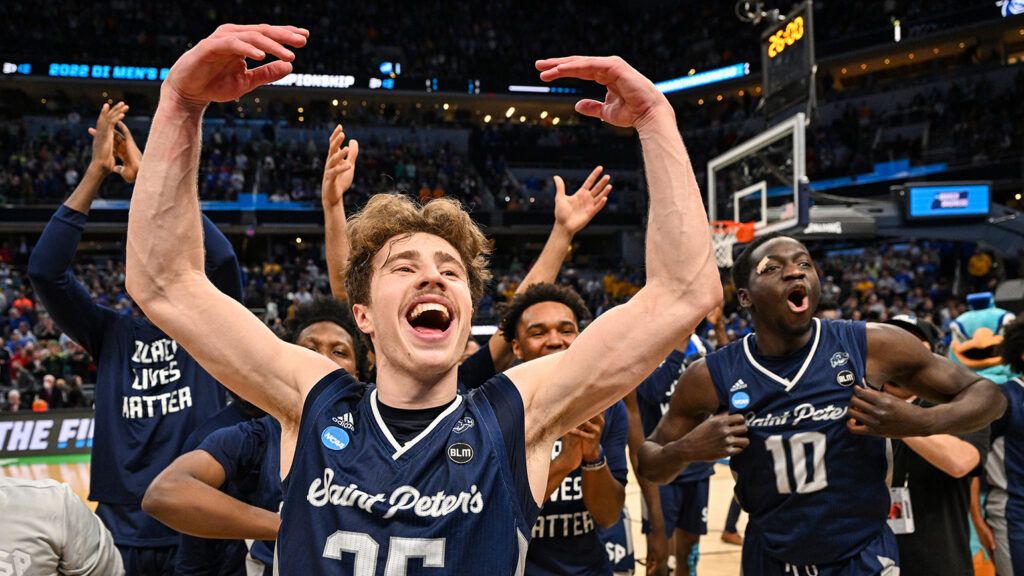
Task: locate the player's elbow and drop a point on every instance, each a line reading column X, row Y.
column 646, row 468
column 40, row 270
column 158, row 499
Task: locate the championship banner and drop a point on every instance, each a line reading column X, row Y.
column 53, row 433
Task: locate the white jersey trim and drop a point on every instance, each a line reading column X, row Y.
column 787, row 384
column 399, row 448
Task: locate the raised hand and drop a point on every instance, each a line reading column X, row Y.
column 340, row 168
column 103, row 137
column 574, row 212
column 631, row 98
column 215, row 70
column 127, row 151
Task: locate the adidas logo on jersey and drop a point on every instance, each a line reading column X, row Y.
column 739, row 385
column 345, row 421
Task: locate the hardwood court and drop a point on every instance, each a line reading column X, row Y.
column 716, row 557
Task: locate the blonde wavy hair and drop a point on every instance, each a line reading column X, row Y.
column 387, row 216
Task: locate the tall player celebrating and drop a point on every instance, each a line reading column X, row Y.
column 456, row 493
column 805, row 421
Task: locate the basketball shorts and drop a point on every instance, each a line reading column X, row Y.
column 879, row 558
column 618, row 542
column 685, row 507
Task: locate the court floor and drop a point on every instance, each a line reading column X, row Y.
column 717, row 557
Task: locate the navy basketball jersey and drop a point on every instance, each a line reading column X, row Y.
column 1005, row 465
column 565, row 539
column 815, row 491
column 455, row 499
column 654, row 395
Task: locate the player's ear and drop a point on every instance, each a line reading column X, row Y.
column 364, row 321
column 516, row 350
column 743, row 297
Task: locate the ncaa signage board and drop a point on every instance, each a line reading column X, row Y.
column 53, row 433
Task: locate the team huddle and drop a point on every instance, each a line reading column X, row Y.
column 372, row 440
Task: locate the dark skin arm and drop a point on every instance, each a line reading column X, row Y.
column 657, row 543
column 689, row 432
column 965, row 401
column 603, row 495
column 186, row 496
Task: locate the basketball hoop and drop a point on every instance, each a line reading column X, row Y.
column 725, row 234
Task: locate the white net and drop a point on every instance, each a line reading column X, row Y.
column 723, row 239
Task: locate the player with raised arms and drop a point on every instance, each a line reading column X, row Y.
column 427, row 481
column 799, row 407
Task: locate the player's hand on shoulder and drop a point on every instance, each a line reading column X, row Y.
column 719, row 436
column 876, row 413
column 340, row 168
column 631, row 100
column 215, row 70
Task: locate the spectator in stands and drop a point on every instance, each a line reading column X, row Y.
column 45, row 328
column 49, row 392
column 76, row 396
column 14, row 402
column 5, row 365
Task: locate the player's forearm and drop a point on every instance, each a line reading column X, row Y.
column 88, row 188
column 165, row 239
column 652, row 498
column 659, row 463
column 975, row 407
column 947, row 453
column 336, row 237
column 190, row 506
column 550, row 260
column 679, row 255
column 603, row 495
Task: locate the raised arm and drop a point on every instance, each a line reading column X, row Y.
column 689, row 431
column 965, row 401
column 49, row 266
column 165, row 271
column 339, row 171
column 625, row 344
column 572, row 214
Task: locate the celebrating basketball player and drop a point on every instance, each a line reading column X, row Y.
column 426, row 477
column 807, row 419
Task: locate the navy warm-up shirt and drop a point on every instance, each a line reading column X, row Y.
column 150, row 392
column 564, row 537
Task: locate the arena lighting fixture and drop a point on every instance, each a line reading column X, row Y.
column 446, row 106
column 301, row 110
column 487, row 119
column 334, row 102
column 543, row 114
column 1016, row 196
column 511, row 110
column 704, row 78
column 555, row 121
column 522, row 118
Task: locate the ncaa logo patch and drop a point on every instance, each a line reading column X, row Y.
column 839, row 359
column 334, row 438
column 460, row 453
column 845, row 378
column 740, row 400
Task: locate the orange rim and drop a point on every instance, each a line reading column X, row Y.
column 744, row 230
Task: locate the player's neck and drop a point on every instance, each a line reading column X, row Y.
column 773, row 342
column 400, row 388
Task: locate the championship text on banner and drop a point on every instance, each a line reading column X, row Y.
column 46, row 433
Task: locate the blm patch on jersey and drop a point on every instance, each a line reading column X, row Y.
column 460, row 453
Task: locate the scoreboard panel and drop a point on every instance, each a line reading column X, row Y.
column 787, row 61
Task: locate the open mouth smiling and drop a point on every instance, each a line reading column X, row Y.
column 429, row 316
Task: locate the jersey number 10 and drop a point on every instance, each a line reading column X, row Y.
column 798, row 444
column 366, row 549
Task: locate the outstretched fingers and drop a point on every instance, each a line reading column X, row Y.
column 591, row 108
column 268, row 73
column 549, row 63
column 288, row 35
column 588, row 184
column 596, row 68
column 266, row 44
